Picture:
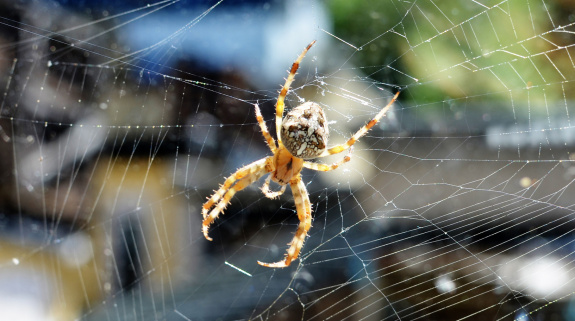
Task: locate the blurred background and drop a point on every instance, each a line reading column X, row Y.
column 119, row 118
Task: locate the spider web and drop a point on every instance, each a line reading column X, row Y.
column 117, row 120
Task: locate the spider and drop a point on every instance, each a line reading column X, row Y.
column 301, row 135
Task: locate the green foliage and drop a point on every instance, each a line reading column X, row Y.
column 502, row 52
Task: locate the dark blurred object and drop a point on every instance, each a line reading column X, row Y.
column 52, row 266
column 45, row 88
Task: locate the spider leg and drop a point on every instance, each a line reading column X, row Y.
column 326, row 168
column 265, row 132
column 303, row 206
column 269, row 194
column 280, row 102
column 242, row 178
column 362, row 131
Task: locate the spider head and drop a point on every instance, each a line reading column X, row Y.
column 304, row 131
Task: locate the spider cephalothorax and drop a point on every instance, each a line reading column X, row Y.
column 301, row 135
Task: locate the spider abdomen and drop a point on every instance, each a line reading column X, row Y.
column 304, row 131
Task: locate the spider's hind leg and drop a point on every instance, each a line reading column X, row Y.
column 265, row 132
column 362, row 131
column 325, row 167
column 280, row 104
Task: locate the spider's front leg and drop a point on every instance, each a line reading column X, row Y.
column 303, row 206
column 239, row 180
column 268, row 192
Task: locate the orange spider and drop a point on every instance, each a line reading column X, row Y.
column 301, row 135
